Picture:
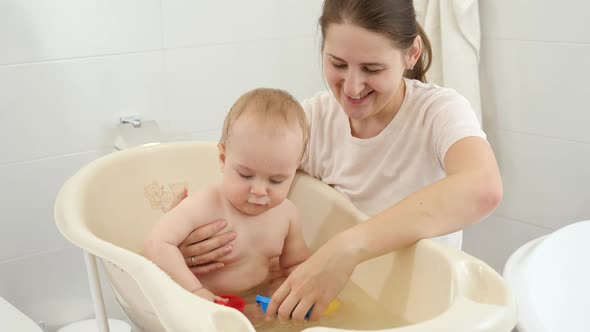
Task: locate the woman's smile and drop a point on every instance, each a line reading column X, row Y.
column 357, row 100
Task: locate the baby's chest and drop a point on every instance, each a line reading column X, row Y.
column 264, row 238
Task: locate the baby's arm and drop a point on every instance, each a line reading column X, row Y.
column 161, row 245
column 295, row 251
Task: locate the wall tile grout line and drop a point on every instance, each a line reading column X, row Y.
column 528, row 223
column 534, row 41
column 32, row 255
column 103, row 149
column 238, row 42
column 162, row 27
column 147, row 51
column 84, row 57
column 46, row 158
column 557, row 138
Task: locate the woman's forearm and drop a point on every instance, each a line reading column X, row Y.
column 443, row 207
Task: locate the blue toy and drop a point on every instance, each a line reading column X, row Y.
column 263, row 302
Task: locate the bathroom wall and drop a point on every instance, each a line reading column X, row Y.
column 70, row 68
column 535, row 67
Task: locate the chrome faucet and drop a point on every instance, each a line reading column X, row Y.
column 134, row 120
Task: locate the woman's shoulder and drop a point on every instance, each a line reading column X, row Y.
column 432, row 93
column 435, row 101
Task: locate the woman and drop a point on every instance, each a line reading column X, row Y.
column 409, row 154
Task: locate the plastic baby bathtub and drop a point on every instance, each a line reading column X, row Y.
column 108, row 206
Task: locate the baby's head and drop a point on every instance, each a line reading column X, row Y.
column 263, row 140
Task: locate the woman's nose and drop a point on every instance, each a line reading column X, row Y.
column 353, row 84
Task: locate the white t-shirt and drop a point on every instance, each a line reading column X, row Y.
column 406, row 156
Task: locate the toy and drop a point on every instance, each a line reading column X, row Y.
column 234, row 301
column 263, row 301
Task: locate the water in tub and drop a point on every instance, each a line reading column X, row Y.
column 356, row 310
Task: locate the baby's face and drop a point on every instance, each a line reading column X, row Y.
column 259, row 163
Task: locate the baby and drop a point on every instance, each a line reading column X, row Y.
column 262, row 143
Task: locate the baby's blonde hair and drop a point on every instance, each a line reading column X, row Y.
column 267, row 104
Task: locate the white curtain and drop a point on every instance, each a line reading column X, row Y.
column 454, row 31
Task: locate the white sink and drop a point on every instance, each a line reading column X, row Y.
column 550, row 277
column 11, row 319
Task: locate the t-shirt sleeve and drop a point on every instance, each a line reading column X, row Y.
column 318, row 146
column 306, row 161
column 453, row 119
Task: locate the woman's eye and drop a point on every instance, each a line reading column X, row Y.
column 245, row 176
column 339, row 66
column 276, row 181
column 371, row 70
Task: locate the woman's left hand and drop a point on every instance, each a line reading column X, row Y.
column 315, row 282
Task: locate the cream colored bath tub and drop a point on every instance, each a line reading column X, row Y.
column 108, row 206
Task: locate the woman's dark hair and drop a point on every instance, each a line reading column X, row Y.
column 395, row 19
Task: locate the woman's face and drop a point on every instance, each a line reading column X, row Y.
column 364, row 70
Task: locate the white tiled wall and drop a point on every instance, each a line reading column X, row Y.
column 189, row 22
column 51, row 287
column 70, row 68
column 534, row 75
column 66, row 106
column 496, row 238
column 28, row 193
column 32, row 30
column 225, row 71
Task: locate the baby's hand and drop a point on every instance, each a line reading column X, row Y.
column 221, row 300
column 206, row 294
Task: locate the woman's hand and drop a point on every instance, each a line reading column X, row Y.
column 315, row 282
column 204, row 246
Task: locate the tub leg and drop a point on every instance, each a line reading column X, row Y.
column 96, row 292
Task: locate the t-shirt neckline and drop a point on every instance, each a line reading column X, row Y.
column 392, row 126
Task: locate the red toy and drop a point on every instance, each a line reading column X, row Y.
column 234, row 301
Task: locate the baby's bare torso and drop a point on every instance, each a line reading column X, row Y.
column 259, row 239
